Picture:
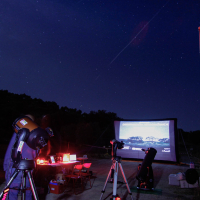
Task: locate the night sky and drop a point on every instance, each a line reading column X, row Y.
column 139, row 59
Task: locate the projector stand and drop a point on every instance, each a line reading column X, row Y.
column 114, row 169
column 25, row 166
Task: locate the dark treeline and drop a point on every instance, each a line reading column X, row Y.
column 69, row 125
column 188, row 146
column 189, row 141
column 190, row 138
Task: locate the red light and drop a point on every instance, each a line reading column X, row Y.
column 6, row 190
column 41, row 161
column 5, row 194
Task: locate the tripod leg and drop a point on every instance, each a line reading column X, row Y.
column 16, row 172
column 122, row 171
column 23, row 184
column 33, row 188
column 115, row 181
column 102, row 192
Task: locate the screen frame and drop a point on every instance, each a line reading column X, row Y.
column 175, row 131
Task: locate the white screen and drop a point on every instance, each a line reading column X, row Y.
column 137, row 135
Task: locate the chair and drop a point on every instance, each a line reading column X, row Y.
column 75, row 176
column 85, row 173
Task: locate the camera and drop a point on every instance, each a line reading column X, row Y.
column 116, row 145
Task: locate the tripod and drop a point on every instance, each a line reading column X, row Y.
column 25, row 166
column 114, row 168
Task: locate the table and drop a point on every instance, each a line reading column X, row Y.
column 82, row 159
column 58, row 164
column 46, row 172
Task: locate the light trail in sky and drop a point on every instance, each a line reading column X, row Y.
column 139, row 32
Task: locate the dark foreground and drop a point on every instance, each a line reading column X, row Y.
column 100, row 169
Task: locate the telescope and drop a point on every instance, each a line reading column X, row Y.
column 145, row 172
column 113, row 173
column 29, row 132
column 36, row 138
column 116, row 145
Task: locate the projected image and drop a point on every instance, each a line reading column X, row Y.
column 138, row 135
column 144, row 134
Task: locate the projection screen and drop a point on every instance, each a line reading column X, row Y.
column 142, row 134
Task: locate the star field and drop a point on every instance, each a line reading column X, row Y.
column 139, row 59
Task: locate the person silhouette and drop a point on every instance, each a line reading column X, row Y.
column 27, row 153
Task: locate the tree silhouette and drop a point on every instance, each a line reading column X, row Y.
column 68, row 124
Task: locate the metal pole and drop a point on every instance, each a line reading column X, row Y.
column 23, row 185
column 115, row 180
column 125, row 180
column 103, row 191
column 10, row 181
column 32, row 185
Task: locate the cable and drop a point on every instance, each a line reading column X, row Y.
column 185, row 145
column 99, row 138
